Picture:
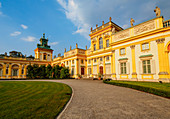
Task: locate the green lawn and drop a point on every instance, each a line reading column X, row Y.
column 150, row 87
column 32, row 100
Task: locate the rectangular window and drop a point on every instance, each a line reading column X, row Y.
column 89, row 70
column 145, row 46
column 95, row 60
column 72, row 71
column 82, row 61
column 67, row 62
column 146, row 66
column 94, row 47
column 15, row 72
column 45, row 57
column 100, row 43
column 89, row 61
column 107, row 58
column 107, row 43
column 123, row 68
column 122, row 51
column 72, row 61
column 101, row 59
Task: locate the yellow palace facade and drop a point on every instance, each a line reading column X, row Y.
column 139, row 53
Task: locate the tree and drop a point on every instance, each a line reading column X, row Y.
column 57, row 70
column 64, row 73
column 30, row 71
column 42, row 71
column 36, row 71
column 48, row 71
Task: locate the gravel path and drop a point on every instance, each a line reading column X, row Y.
column 96, row 100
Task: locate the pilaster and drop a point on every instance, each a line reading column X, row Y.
column 163, row 62
column 113, row 69
column 4, row 70
column 134, row 74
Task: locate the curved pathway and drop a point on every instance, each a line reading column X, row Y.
column 96, row 100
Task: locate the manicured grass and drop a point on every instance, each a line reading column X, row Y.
column 32, row 100
column 161, row 89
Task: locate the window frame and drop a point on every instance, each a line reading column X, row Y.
column 107, row 43
column 147, row 69
column 145, row 46
column 123, row 67
column 101, row 43
column 124, row 51
column 94, row 47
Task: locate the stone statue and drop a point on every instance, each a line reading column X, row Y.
column 157, row 11
column 102, row 22
column 96, row 25
column 132, row 21
column 76, row 45
column 59, row 55
column 65, row 50
column 86, row 47
column 110, row 19
column 70, row 47
column 91, row 29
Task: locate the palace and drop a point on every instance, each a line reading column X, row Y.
column 138, row 53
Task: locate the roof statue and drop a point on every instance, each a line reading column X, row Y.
column 110, row 19
column 76, row 45
column 132, row 21
column 65, row 50
column 70, row 47
column 157, row 11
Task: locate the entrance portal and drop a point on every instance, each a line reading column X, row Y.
column 101, row 70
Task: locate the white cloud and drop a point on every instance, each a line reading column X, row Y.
column 16, row 33
column 29, row 39
column 1, row 13
column 87, row 13
column 24, row 26
column 53, row 43
column 0, row 4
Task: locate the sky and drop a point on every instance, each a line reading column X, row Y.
column 67, row 22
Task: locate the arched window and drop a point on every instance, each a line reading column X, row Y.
column 100, row 43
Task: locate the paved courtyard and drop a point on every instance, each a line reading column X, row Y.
column 96, row 100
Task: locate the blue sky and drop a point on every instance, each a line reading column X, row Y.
column 66, row 22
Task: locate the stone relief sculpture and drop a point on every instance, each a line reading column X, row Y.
column 132, row 21
column 113, row 30
column 157, row 11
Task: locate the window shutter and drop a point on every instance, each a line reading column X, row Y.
column 128, row 67
column 153, row 67
column 140, row 67
column 119, row 68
